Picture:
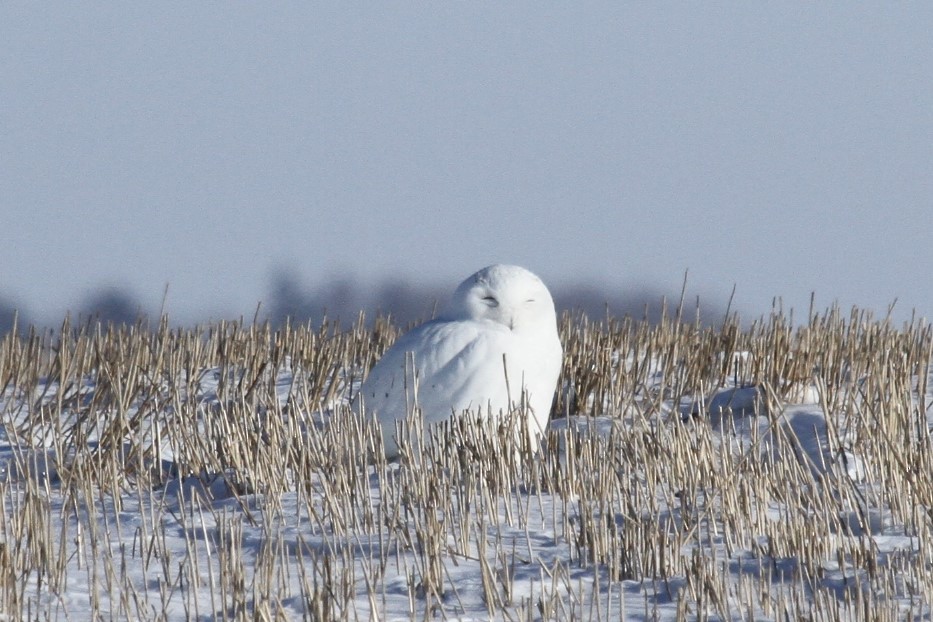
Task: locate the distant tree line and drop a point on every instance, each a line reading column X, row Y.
column 403, row 300
column 408, row 302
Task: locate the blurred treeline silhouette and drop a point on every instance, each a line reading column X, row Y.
column 406, row 301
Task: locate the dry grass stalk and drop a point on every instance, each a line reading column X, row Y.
column 236, row 442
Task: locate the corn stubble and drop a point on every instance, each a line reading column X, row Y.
column 167, row 473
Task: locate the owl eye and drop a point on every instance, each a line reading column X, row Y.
column 530, row 300
column 491, row 301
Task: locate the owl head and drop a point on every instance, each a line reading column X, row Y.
column 508, row 295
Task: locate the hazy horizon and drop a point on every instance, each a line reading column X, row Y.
column 342, row 299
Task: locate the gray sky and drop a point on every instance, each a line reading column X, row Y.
column 785, row 148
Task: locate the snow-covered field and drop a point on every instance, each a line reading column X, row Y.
column 763, row 473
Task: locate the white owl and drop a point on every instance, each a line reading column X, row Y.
column 458, row 357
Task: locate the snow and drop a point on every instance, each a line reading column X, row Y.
column 348, row 538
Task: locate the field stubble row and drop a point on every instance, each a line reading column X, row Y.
column 690, row 471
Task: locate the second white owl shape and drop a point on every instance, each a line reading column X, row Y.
column 496, row 341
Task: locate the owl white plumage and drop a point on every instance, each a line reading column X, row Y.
column 458, row 357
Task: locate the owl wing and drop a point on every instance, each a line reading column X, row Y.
column 458, row 365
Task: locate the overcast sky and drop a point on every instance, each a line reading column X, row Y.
column 783, row 147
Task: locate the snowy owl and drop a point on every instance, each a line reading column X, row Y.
column 500, row 320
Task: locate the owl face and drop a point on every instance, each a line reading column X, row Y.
column 508, row 295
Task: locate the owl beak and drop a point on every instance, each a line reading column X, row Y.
column 511, row 323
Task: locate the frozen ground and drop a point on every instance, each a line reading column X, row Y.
column 712, row 507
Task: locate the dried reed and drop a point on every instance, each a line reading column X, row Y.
column 773, row 471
